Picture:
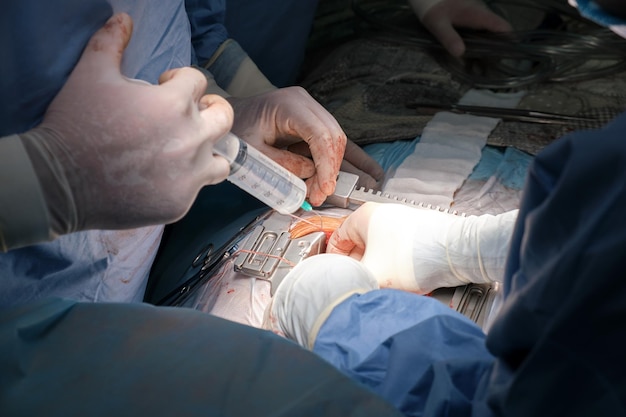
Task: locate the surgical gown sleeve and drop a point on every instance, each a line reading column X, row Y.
column 556, row 345
column 227, row 67
column 207, row 28
column 62, row 358
column 273, row 34
column 414, row 351
column 559, row 336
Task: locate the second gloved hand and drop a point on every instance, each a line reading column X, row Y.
column 355, row 161
column 115, row 153
column 421, row 250
column 279, row 118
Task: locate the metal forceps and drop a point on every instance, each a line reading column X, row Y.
column 520, row 115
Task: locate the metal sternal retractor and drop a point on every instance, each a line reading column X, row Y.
column 261, row 177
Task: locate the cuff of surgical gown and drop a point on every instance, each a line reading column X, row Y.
column 310, row 292
column 236, row 73
column 23, row 212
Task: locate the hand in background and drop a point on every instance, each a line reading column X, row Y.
column 442, row 17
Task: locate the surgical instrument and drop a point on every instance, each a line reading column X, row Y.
column 520, row 115
column 347, row 194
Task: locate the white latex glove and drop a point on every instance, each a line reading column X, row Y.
column 421, row 250
column 309, row 293
column 441, row 17
column 279, row 118
column 114, row 153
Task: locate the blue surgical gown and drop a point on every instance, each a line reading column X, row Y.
column 64, row 357
column 45, row 41
column 42, row 42
column 555, row 347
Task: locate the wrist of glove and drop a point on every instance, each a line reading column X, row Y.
column 422, row 250
column 235, row 73
column 24, row 218
column 49, row 157
column 477, row 246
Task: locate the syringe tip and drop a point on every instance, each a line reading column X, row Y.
column 306, row 206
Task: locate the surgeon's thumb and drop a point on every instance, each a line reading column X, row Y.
column 106, row 47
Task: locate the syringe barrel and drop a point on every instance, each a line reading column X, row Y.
column 260, row 176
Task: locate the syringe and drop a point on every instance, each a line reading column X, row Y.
column 261, row 177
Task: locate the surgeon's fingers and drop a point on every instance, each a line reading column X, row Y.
column 443, row 17
column 326, row 140
column 350, row 238
column 299, row 165
column 217, row 116
column 326, row 147
column 342, row 242
column 447, row 36
column 219, row 113
column 327, row 153
column 303, row 149
column 186, row 80
column 327, row 150
column 363, row 162
column 356, row 161
column 105, row 48
column 480, row 17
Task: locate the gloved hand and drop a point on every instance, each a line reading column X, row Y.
column 421, row 250
column 441, row 16
column 309, row 292
column 356, row 161
column 248, row 81
column 116, row 153
column 279, row 118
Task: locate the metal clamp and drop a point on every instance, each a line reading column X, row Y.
column 269, row 253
